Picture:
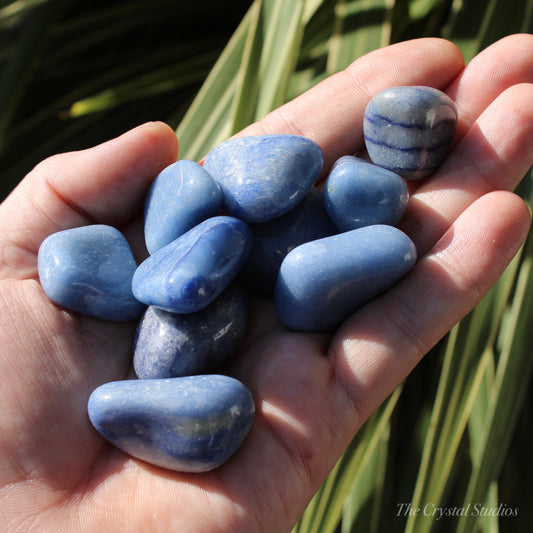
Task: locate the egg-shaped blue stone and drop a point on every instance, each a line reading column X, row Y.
column 89, row 270
column 357, row 194
column 321, row 283
column 172, row 345
column 274, row 239
column 182, row 196
column 190, row 272
column 408, row 130
column 186, row 424
column 264, row 176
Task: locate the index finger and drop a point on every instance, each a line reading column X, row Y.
column 331, row 113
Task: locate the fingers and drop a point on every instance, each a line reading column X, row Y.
column 494, row 154
column 331, row 113
column 105, row 184
column 507, row 62
column 379, row 346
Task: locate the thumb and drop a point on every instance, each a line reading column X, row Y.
column 105, row 185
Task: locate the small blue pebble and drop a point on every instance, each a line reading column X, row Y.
column 357, row 194
column 321, row 283
column 408, row 130
column 274, row 239
column 186, row 424
column 189, row 273
column 90, row 270
column 264, row 176
column 171, row 345
column 182, row 196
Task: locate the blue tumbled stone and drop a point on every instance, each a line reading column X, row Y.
column 321, row 283
column 171, row 345
column 408, row 130
column 89, row 270
column 182, row 196
column 357, row 194
column 190, row 272
column 274, row 239
column 186, row 424
column 264, row 176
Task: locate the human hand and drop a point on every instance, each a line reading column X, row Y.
column 312, row 391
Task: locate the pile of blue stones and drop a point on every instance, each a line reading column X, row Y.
column 249, row 219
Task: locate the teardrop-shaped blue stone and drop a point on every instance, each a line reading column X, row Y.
column 186, row 424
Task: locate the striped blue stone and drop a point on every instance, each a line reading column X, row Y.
column 408, row 130
column 172, row 345
column 264, row 176
column 358, row 194
column 321, row 283
column 186, row 424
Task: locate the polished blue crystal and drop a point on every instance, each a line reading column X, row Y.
column 182, row 196
column 264, row 176
column 321, row 283
column 190, row 272
column 171, row 345
column 89, row 270
column 186, row 424
column 274, row 239
column 408, row 130
column 357, row 194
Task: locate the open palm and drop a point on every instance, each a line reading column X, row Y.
column 312, row 391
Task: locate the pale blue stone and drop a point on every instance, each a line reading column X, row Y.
column 89, row 270
column 408, row 130
column 186, row 424
column 264, row 176
column 171, row 345
column 357, row 194
column 321, row 283
column 190, row 272
column 274, row 239
column 182, row 196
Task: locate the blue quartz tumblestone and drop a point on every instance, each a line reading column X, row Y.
column 274, row 239
column 182, row 196
column 408, row 130
column 190, row 272
column 357, row 194
column 321, row 283
column 264, row 176
column 171, row 345
column 89, row 270
column 186, row 424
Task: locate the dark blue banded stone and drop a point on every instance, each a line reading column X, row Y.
column 190, row 272
column 321, row 283
column 408, row 130
column 274, row 239
column 186, row 424
column 90, row 270
column 182, row 196
column 264, row 176
column 172, row 345
column 358, row 193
